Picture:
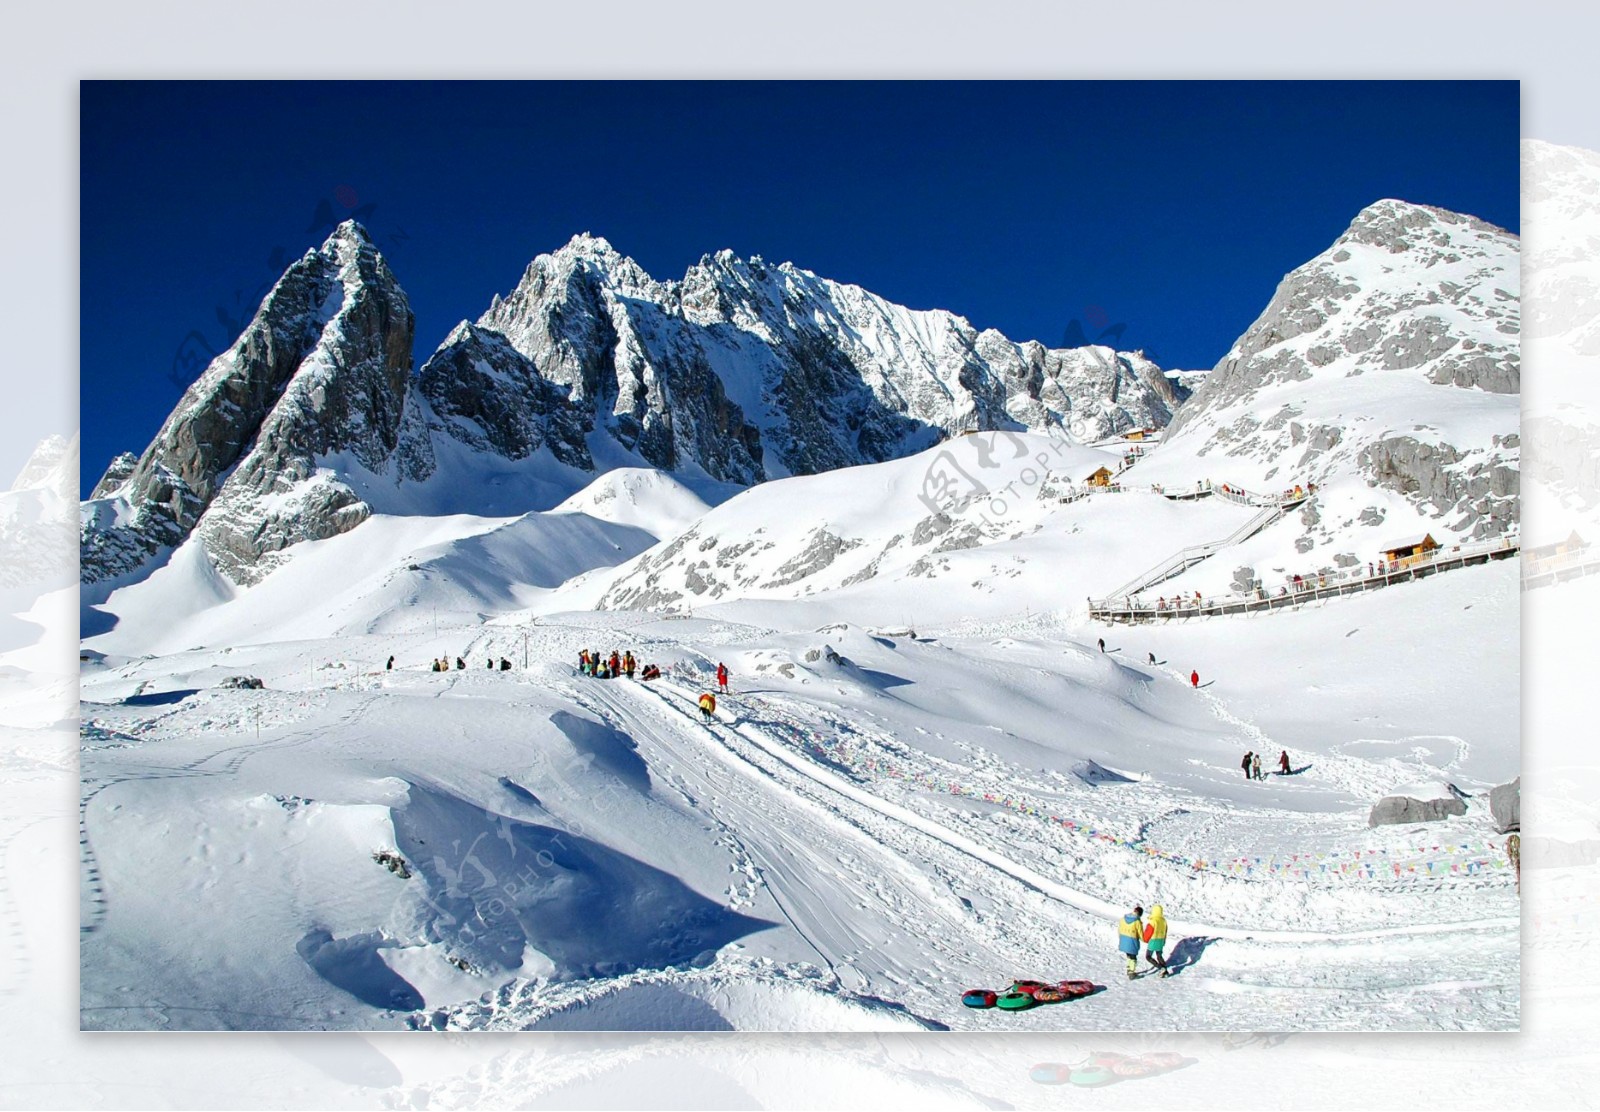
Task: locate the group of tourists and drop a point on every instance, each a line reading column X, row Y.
column 1178, row 602
column 618, row 664
column 1252, row 765
column 442, row 664
column 1132, row 931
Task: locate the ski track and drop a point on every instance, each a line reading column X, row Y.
column 1082, row 901
column 804, row 865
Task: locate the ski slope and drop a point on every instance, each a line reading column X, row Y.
column 883, row 812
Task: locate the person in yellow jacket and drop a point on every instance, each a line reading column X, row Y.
column 708, row 706
column 1130, row 932
column 1155, row 940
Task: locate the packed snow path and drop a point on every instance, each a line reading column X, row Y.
column 684, row 703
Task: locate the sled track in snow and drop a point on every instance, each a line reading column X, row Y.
column 1031, row 878
column 806, row 859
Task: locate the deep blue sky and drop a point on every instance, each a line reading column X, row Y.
column 1171, row 208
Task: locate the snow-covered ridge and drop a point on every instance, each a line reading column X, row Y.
column 1386, row 370
column 313, row 421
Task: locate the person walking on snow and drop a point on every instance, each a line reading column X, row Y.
column 708, row 707
column 1255, row 767
column 1245, row 764
column 389, row 667
column 1155, row 940
column 1194, row 679
column 628, row 663
column 1152, row 658
column 615, row 663
column 722, row 676
column 1102, row 644
column 1130, row 932
column 1283, row 762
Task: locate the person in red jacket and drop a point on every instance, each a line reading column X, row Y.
column 722, row 676
column 1283, row 762
column 1194, row 679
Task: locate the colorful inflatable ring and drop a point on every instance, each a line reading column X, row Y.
column 1050, row 996
column 1015, row 1001
column 1104, row 1059
column 1028, row 986
column 979, row 998
column 1091, row 1076
column 1135, row 1067
column 1076, row 988
column 1050, row 1073
column 1166, row 1060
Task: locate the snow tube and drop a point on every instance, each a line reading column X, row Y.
column 1015, row 1001
column 1028, row 986
column 1135, row 1067
column 1166, row 1060
column 979, row 998
column 1074, row 989
column 1092, row 1076
column 1050, row 1073
column 1050, row 996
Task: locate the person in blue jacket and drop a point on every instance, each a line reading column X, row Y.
column 1130, row 932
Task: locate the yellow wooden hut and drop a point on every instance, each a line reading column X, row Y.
column 1410, row 550
column 1102, row 477
column 1573, row 543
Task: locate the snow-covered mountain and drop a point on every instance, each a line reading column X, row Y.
column 313, row 420
column 321, row 372
column 36, row 518
column 1387, row 371
column 1561, row 204
column 757, row 371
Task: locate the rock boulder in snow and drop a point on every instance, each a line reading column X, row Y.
column 1417, row 803
column 1505, row 804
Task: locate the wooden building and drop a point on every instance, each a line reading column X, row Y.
column 1102, row 477
column 1543, row 552
column 1410, row 550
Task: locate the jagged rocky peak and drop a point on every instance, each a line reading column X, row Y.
column 117, row 472
column 741, row 371
column 52, row 466
column 1399, row 226
column 485, row 393
column 322, row 368
column 1406, row 287
column 1390, row 360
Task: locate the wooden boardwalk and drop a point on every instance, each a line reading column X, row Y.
column 1314, row 588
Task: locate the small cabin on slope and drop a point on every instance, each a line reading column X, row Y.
column 1410, row 550
column 1540, row 553
column 1101, row 477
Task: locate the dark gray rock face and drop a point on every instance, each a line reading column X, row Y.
column 337, row 329
column 1483, row 493
column 118, row 473
column 1505, row 805
column 1393, row 810
column 348, row 399
column 755, row 371
column 490, row 396
column 597, row 325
